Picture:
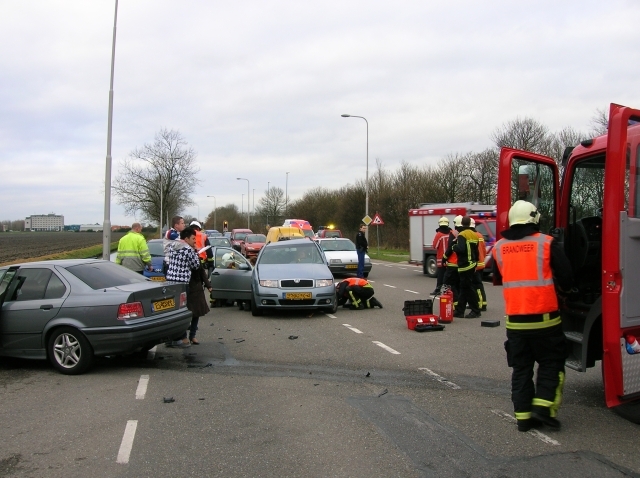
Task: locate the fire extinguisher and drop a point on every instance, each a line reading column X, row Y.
column 446, row 307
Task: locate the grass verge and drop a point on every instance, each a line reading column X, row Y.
column 390, row 255
column 84, row 253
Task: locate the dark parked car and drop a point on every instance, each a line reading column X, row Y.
column 220, row 241
column 72, row 310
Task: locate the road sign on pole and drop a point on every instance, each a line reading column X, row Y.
column 366, row 220
column 377, row 220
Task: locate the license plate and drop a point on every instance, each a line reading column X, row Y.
column 351, row 266
column 158, row 278
column 297, row 295
column 163, row 305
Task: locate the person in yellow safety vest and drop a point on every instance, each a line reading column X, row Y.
column 480, row 266
column 450, row 261
column 206, row 257
column 531, row 265
column 358, row 292
column 133, row 252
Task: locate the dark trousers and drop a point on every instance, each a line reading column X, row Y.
column 440, row 277
column 524, row 348
column 360, row 272
column 452, row 280
column 479, row 287
column 359, row 295
column 468, row 294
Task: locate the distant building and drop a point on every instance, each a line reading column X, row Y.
column 91, row 227
column 72, row 227
column 44, row 222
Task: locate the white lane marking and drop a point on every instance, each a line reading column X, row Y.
column 539, row 435
column 417, row 270
column 412, row 291
column 387, row 265
column 331, row 316
column 440, row 378
column 142, row 387
column 387, row 285
column 386, row 347
column 127, row 442
column 403, row 268
column 151, row 354
column 352, row 328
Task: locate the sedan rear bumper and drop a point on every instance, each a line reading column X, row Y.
column 129, row 337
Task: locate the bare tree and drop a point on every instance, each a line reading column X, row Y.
column 166, row 168
column 599, row 122
column 483, row 176
column 271, row 206
column 526, row 134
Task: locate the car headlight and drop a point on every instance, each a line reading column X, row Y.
column 335, row 261
column 324, row 282
column 269, row 283
column 366, row 259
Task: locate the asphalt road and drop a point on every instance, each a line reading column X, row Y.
column 356, row 394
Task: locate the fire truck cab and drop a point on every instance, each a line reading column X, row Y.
column 591, row 204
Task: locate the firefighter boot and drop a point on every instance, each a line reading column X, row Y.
column 528, row 424
column 546, row 419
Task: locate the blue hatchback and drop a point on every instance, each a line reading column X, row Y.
column 156, row 249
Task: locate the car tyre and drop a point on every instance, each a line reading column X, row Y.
column 431, row 266
column 69, row 351
column 255, row 310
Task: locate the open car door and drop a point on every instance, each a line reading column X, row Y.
column 530, row 177
column 621, row 257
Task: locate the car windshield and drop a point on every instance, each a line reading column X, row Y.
column 219, row 241
column 333, row 245
column 105, row 274
column 301, row 253
column 256, row 238
column 239, row 236
column 156, row 248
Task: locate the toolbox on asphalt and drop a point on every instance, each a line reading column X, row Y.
column 419, row 316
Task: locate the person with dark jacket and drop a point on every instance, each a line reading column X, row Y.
column 531, row 265
column 466, row 249
column 450, row 261
column 196, row 300
column 362, row 247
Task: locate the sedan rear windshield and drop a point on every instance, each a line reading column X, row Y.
column 156, row 248
column 102, row 275
column 256, row 238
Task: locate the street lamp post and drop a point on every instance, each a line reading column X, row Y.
column 286, row 196
column 161, row 187
column 106, row 225
column 268, row 202
column 248, row 213
column 366, row 182
column 253, row 206
column 242, row 205
column 215, row 211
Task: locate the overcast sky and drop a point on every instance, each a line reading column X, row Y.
column 257, row 87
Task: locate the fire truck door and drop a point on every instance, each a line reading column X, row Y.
column 621, row 265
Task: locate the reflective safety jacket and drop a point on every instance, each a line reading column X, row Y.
column 482, row 251
column 441, row 242
column 201, row 241
column 133, row 252
column 527, row 279
column 466, row 248
column 449, row 255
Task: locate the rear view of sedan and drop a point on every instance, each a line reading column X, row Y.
column 292, row 274
column 342, row 256
column 70, row 311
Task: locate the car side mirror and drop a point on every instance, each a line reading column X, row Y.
column 244, row 267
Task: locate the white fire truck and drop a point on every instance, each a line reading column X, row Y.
column 423, row 223
column 593, row 208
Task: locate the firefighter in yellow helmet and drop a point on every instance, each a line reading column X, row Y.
column 450, row 261
column 530, row 265
column 440, row 243
column 477, row 282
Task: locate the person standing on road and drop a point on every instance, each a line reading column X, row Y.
column 362, row 247
column 482, row 255
column 440, row 243
column 173, row 234
column 530, row 264
column 466, row 249
column 182, row 261
column 450, row 261
column 206, row 257
column 133, row 252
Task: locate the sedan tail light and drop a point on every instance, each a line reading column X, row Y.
column 183, row 299
column 132, row 310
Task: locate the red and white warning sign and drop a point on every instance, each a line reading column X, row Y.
column 377, row 220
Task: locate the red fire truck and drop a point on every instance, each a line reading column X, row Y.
column 595, row 189
column 423, row 223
